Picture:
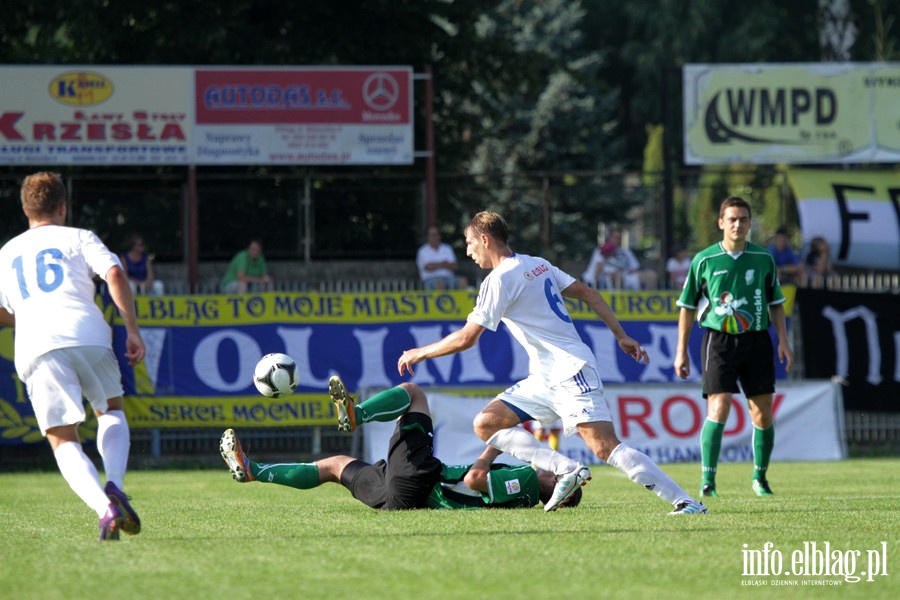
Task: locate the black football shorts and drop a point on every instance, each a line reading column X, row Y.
column 407, row 477
column 729, row 358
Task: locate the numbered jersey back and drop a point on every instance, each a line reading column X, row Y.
column 46, row 280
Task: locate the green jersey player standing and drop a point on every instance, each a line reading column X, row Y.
column 734, row 284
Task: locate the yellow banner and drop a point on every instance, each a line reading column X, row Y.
column 366, row 308
column 311, row 308
column 239, row 411
column 791, row 113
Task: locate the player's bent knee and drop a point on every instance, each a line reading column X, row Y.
column 418, row 402
column 485, row 426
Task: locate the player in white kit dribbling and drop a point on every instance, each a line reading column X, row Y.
column 525, row 293
column 63, row 347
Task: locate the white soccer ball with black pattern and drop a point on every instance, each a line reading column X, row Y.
column 276, row 375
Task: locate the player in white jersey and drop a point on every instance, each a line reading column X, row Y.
column 63, row 347
column 525, row 293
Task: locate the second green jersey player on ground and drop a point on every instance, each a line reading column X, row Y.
column 411, row 476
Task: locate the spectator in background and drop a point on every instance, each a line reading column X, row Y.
column 247, row 271
column 618, row 267
column 437, row 264
column 138, row 265
column 790, row 267
column 677, row 266
column 548, row 434
column 594, row 275
column 818, row 263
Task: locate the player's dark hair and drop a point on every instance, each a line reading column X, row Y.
column 490, row 223
column 42, row 193
column 573, row 500
column 734, row 201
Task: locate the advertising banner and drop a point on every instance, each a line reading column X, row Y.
column 312, row 116
column 791, row 113
column 662, row 421
column 106, row 115
column 857, row 212
column 855, row 337
column 95, row 115
column 201, row 351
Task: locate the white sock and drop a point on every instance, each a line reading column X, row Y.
column 81, row 475
column 641, row 469
column 114, row 443
column 517, row 442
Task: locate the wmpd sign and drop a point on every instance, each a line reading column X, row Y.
column 791, row 113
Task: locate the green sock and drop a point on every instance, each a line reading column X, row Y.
column 303, row 476
column 383, row 406
column 763, row 442
column 710, row 445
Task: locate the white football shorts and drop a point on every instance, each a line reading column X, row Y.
column 60, row 378
column 579, row 399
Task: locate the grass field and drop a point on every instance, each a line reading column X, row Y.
column 207, row 536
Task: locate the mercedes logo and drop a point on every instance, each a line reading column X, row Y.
column 381, row 91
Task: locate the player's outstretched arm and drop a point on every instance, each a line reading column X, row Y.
column 7, row 319
column 120, row 291
column 591, row 297
column 459, row 340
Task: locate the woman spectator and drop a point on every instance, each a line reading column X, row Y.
column 818, row 263
column 138, row 265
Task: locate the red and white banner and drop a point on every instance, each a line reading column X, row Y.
column 663, row 421
column 102, row 115
column 304, row 116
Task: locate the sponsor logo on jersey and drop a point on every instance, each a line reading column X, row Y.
column 734, row 320
column 748, row 276
column 513, row 487
column 720, row 272
column 536, row 272
column 758, row 303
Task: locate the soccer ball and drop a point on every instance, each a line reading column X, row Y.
column 276, row 375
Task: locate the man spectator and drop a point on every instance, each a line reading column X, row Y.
column 247, row 272
column 621, row 267
column 790, row 267
column 437, row 264
column 677, row 266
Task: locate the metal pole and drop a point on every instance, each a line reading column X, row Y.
column 545, row 221
column 430, row 188
column 668, row 202
column 193, row 244
column 307, row 215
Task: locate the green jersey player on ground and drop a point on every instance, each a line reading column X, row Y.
column 734, row 284
column 411, row 477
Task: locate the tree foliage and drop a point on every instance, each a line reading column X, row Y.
column 552, row 89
